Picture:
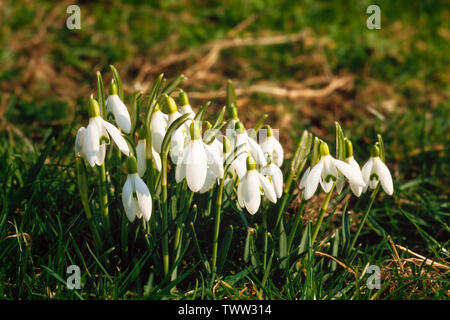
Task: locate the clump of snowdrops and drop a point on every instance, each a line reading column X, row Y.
column 169, row 167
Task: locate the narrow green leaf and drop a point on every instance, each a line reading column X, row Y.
column 101, row 94
column 340, row 143
column 118, row 81
column 224, row 248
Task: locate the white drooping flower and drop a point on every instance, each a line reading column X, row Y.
column 250, row 187
column 356, row 189
column 193, row 164
column 216, row 153
column 120, row 112
column 272, row 146
column 242, row 144
column 180, row 137
column 141, row 155
column 136, row 197
column 375, row 171
column 275, row 176
column 326, row 171
column 91, row 142
column 158, row 127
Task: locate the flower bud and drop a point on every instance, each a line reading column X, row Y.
column 239, row 127
column 131, row 165
column 183, row 98
column 375, row 151
column 194, row 131
column 232, row 112
column 93, row 108
column 251, row 163
column 324, row 150
column 348, row 148
column 113, row 87
column 170, row 104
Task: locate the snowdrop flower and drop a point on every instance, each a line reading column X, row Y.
column 193, row 165
column 136, row 197
column 120, row 112
column 272, row 146
column 91, row 143
column 158, row 127
column 250, row 186
column 275, row 176
column 245, row 144
column 326, row 172
column 185, row 106
column 179, row 138
column 142, row 157
column 356, row 189
column 216, row 153
column 375, row 171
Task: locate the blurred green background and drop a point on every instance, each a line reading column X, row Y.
column 48, row 71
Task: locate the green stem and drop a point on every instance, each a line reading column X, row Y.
column 104, row 202
column 264, row 225
column 366, row 214
column 217, row 225
column 297, row 220
column 323, row 209
column 165, row 244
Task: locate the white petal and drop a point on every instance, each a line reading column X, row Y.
column 357, row 190
column 240, row 193
column 128, row 200
column 239, row 164
column 158, row 127
column 214, row 161
column 354, row 176
column 120, row 112
column 101, row 155
column 177, row 144
column 384, row 176
column 267, row 187
column 187, row 109
column 257, row 152
column 277, row 179
column 79, row 140
column 92, row 143
column 209, row 181
column 196, row 165
column 117, row 137
column 140, row 157
column 143, row 196
column 251, row 192
column 172, row 117
column 100, row 127
column 156, row 160
column 340, row 182
column 180, row 170
column 326, row 186
column 278, row 153
column 312, row 181
column 304, row 177
column 366, row 170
